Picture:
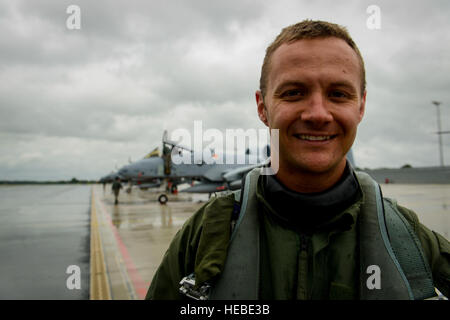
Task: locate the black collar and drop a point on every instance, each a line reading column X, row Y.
column 307, row 211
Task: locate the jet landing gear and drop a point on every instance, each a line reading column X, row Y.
column 171, row 188
column 163, row 199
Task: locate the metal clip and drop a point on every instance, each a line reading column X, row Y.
column 438, row 296
column 187, row 288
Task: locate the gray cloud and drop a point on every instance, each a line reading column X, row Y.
column 78, row 102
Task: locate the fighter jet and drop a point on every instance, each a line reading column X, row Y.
column 211, row 177
column 136, row 180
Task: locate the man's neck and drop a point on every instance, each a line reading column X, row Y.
column 310, row 182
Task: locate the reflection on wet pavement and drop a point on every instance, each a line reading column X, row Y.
column 136, row 213
column 44, row 229
column 145, row 227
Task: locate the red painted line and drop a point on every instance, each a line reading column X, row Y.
column 139, row 285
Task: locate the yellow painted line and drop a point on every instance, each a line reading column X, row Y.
column 99, row 287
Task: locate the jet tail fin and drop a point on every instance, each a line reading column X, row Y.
column 153, row 153
column 166, row 140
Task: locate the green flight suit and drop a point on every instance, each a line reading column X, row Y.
column 322, row 266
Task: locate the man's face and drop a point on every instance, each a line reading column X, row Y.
column 314, row 98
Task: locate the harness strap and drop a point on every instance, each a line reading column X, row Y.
column 408, row 250
column 404, row 269
column 375, row 248
column 240, row 276
column 386, row 241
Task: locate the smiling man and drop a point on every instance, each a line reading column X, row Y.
column 317, row 229
column 313, row 93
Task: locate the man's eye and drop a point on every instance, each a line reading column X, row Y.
column 292, row 94
column 337, row 94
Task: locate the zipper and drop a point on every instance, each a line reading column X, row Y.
column 302, row 276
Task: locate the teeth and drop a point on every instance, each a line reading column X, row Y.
column 314, row 138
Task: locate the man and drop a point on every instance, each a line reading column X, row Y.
column 315, row 230
column 116, row 186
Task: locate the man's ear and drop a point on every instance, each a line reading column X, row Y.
column 262, row 110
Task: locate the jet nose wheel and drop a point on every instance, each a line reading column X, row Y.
column 163, row 199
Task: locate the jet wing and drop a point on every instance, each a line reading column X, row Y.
column 237, row 174
column 149, row 185
column 230, row 180
column 216, row 173
column 206, row 188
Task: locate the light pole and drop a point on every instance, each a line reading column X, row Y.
column 441, row 155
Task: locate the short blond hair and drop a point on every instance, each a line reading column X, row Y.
column 309, row 29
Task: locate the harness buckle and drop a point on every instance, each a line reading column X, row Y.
column 438, row 296
column 187, row 288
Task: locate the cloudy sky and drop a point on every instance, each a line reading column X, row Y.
column 79, row 103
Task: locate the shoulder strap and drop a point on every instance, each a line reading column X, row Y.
column 375, row 248
column 378, row 249
column 408, row 250
column 240, row 276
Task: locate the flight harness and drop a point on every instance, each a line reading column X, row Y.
column 386, row 240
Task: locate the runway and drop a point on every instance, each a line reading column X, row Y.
column 43, row 231
column 431, row 203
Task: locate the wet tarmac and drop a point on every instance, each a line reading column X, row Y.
column 431, row 203
column 143, row 229
column 136, row 233
column 43, row 231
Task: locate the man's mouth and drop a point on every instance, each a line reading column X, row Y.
column 314, row 138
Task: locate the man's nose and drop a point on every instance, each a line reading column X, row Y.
column 316, row 112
